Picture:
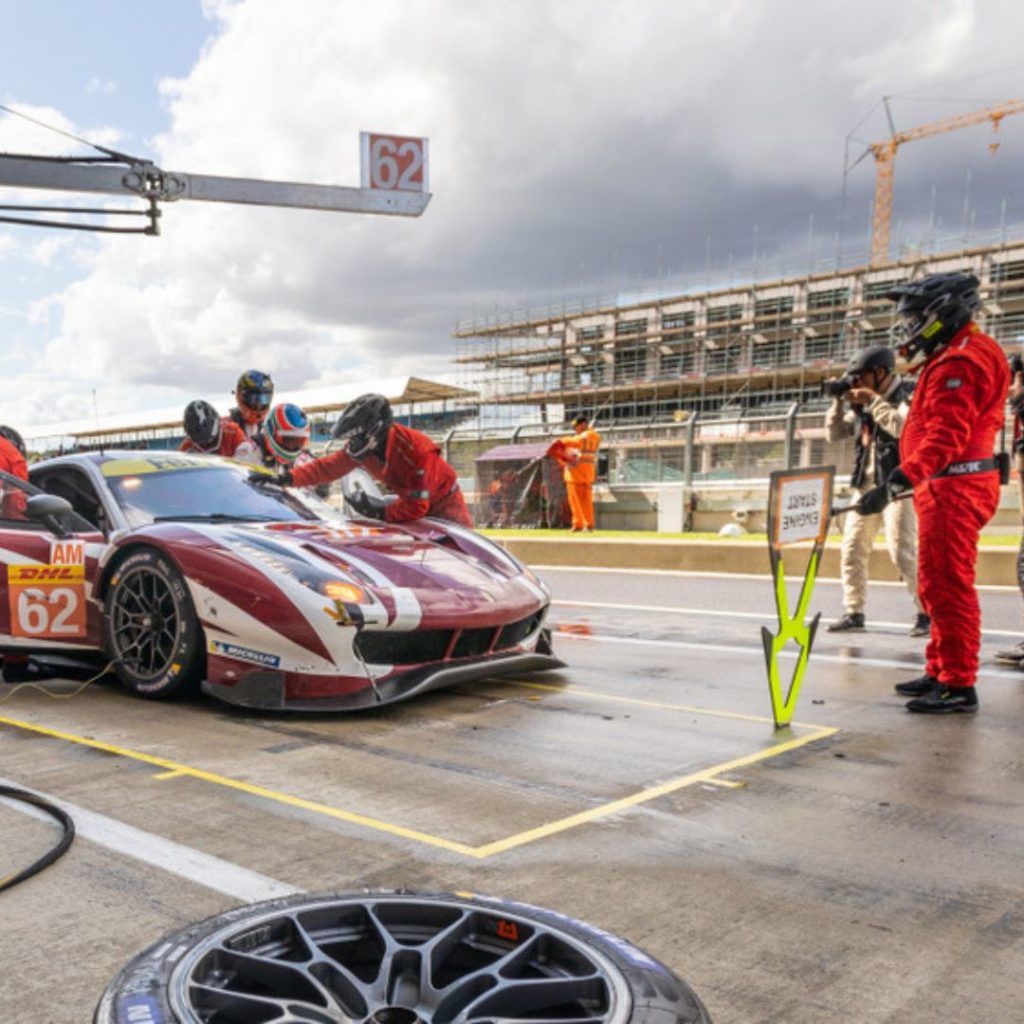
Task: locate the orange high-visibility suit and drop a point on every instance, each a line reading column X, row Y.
column 580, row 461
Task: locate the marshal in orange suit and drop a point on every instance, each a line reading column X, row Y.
column 578, row 454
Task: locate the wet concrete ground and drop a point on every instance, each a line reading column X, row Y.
column 864, row 864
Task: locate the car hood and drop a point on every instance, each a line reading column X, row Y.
column 451, row 574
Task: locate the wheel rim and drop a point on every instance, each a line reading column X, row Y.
column 144, row 622
column 396, row 960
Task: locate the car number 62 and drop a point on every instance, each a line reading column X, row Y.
column 48, row 611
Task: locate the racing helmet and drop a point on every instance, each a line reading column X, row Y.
column 202, row 425
column 254, row 393
column 286, row 431
column 929, row 312
column 878, row 357
column 364, row 425
column 10, row 434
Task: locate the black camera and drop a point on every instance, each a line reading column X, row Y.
column 838, row 387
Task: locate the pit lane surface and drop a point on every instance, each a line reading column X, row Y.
column 862, row 865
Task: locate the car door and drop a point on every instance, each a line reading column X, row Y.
column 46, row 575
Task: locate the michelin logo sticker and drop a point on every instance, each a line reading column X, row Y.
column 227, row 650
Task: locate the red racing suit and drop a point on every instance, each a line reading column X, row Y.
column 956, row 412
column 231, row 436
column 13, row 462
column 413, row 469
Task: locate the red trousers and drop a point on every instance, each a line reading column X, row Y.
column 950, row 515
column 581, row 502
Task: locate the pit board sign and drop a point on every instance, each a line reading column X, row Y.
column 799, row 506
column 394, row 163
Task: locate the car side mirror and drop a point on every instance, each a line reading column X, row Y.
column 48, row 510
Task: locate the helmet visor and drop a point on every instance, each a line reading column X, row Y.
column 257, row 399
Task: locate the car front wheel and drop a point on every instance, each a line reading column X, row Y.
column 151, row 629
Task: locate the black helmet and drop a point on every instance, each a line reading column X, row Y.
column 10, row 434
column 932, row 310
column 878, row 357
column 365, row 424
column 254, row 393
column 202, row 425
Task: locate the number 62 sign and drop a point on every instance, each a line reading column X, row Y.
column 394, row 163
column 47, row 601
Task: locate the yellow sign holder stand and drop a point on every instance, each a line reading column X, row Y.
column 799, row 510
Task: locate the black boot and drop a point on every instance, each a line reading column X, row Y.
column 944, row 700
column 916, row 687
column 851, row 622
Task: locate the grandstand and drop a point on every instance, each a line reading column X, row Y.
column 428, row 405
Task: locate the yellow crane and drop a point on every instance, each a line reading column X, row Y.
column 885, row 157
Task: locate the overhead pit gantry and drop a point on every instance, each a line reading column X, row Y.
column 394, row 182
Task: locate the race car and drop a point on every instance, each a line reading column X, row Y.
column 183, row 570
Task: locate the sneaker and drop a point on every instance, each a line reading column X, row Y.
column 1011, row 655
column 851, row 622
column 944, row 700
column 917, row 687
column 923, row 626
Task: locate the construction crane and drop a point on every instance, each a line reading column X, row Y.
column 885, row 157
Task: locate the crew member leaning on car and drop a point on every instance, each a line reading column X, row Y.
column 13, row 461
column 405, row 460
column 208, row 433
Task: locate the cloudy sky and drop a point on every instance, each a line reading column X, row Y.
column 577, row 148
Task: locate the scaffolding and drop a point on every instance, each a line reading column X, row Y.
column 754, row 347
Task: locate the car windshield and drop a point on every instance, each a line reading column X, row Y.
column 200, row 489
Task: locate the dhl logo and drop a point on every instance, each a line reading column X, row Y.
column 45, row 574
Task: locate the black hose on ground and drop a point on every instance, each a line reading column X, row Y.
column 52, row 855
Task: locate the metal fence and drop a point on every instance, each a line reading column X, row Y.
column 691, row 452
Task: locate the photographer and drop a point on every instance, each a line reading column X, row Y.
column 1015, row 655
column 871, row 403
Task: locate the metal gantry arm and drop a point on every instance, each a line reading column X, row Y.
column 143, row 179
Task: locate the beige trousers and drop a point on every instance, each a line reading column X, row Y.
column 859, row 532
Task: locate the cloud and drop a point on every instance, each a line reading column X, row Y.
column 100, row 87
column 574, row 147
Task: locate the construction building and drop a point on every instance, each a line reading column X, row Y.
column 720, row 384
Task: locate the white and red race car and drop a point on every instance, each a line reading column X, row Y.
column 182, row 571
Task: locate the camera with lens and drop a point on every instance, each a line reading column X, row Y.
column 838, row 387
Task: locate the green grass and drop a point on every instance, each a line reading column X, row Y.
column 997, row 540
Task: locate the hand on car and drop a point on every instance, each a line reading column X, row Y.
column 367, row 505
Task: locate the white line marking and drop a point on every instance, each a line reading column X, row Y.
column 201, row 868
column 995, row 588
column 725, row 614
column 838, row 659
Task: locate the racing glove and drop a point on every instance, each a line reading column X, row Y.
column 873, row 501
column 281, row 479
column 368, row 505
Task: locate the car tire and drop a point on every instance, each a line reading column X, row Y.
column 402, row 956
column 151, row 631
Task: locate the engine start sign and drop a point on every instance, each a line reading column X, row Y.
column 799, row 505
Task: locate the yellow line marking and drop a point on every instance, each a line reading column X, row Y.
column 689, row 708
column 645, row 795
column 711, row 775
column 245, row 787
column 176, row 774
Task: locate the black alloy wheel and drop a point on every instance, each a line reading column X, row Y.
column 396, row 958
column 150, row 627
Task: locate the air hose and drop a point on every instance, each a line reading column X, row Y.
column 61, row 847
